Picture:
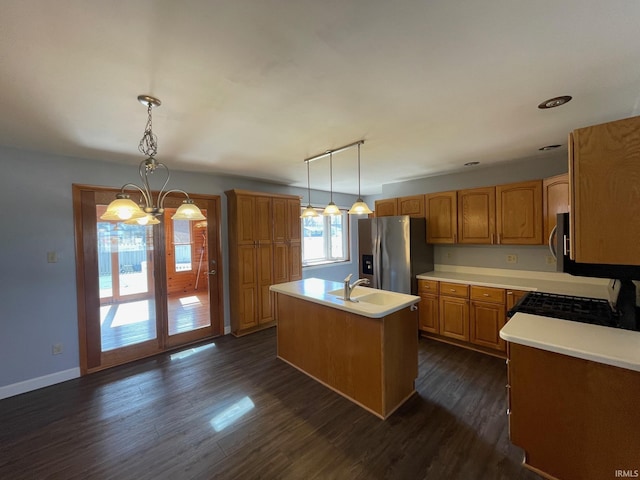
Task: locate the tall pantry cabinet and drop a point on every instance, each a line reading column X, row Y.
column 264, row 249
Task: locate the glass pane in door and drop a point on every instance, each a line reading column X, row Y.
column 187, row 274
column 125, row 269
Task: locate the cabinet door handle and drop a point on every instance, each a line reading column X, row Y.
column 452, row 290
column 455, row 238
column 509, row 293
column 492, row 239
column 485, row 294
column 499, row 238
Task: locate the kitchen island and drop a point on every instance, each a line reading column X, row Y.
column 366, row 351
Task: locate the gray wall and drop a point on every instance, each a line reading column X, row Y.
column 38, row 299
column 546, row 164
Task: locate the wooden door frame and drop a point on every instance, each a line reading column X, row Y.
column 81, row 195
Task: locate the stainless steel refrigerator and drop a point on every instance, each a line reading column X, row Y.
column 392, row 251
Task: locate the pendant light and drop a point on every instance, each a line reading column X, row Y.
column 125, row 209
column 359, row 207
column 332, row 208
column 309, row 211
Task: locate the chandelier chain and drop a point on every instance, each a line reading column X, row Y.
column 149, row 142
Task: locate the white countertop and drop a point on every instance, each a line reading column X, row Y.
column 549, row 282
column 611, row 346
column 316, row 290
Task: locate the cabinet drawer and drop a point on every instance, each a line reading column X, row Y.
column 454, row 290
column 428, row 286
column 488, row 294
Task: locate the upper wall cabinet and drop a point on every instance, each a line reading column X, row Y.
column 442, row 217
column 555, row 199
column 386, row 208
column 604, row 171
column 519, row 213
column 477, row 215
column 412, row 206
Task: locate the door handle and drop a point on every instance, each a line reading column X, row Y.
column 212, row 272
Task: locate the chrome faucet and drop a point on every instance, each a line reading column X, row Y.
column 348, row 288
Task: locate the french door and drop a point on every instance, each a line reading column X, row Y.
column 144, row 289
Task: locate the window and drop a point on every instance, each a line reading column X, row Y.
column 325, row 239
column 182, row 245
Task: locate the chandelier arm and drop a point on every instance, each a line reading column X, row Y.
column 173, row 190
column 164, row 185
column 144, row 194
column 142, row 169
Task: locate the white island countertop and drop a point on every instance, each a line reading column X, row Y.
column 611, row 346
column 317, row 290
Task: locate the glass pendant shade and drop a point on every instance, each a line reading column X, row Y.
column 331, row 209
column 309, row 212
column 122, row 208
column 360, row 208
column 148, row 219
column 188, row 211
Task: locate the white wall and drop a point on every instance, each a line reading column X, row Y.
column 38, row 299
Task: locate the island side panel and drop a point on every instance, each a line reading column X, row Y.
column 400, row 357
column 339, row 349
column 574, row 418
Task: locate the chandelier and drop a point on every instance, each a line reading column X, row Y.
column 358, row 208
column 126, row 210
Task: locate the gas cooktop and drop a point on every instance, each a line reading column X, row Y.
column 566, row 307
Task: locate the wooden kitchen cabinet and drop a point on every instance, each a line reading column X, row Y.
column 441, row 210
column 477, row 215
column 487, row 317
column 264, row 249
column 604, row 173
column 513, row 296
column 555, row 199
column 428, row 309
column 387, row 207
column 287, row 265
column 412, row 206
column 454, row 311
column 519, row 213
column 573, row 418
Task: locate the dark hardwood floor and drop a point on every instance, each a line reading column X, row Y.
column 235, row 411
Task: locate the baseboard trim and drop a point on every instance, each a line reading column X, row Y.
column 39, row 382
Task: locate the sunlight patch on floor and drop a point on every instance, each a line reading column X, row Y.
column 190, row 301
column 130, row 313
column 191, row 351
column 231, row 414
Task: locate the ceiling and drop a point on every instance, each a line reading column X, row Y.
column 252, row 87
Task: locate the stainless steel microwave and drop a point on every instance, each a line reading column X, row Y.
column 559, row 247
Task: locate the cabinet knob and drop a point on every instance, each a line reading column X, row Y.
column 452, row 289
column 485, row 294
column 509, row 293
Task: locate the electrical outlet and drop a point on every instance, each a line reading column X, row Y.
column 56, row 349
column 512, row 259
column 448, row 255
column 52, row 257
column 550, row 260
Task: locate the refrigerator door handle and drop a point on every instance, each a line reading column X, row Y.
column 377, row 264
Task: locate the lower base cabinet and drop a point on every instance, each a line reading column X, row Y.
column 574, row 418
column 454, row 318
column 466, row 315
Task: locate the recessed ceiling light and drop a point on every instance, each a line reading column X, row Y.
column 549, row 147
column 471, row 164
column 555, row 102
